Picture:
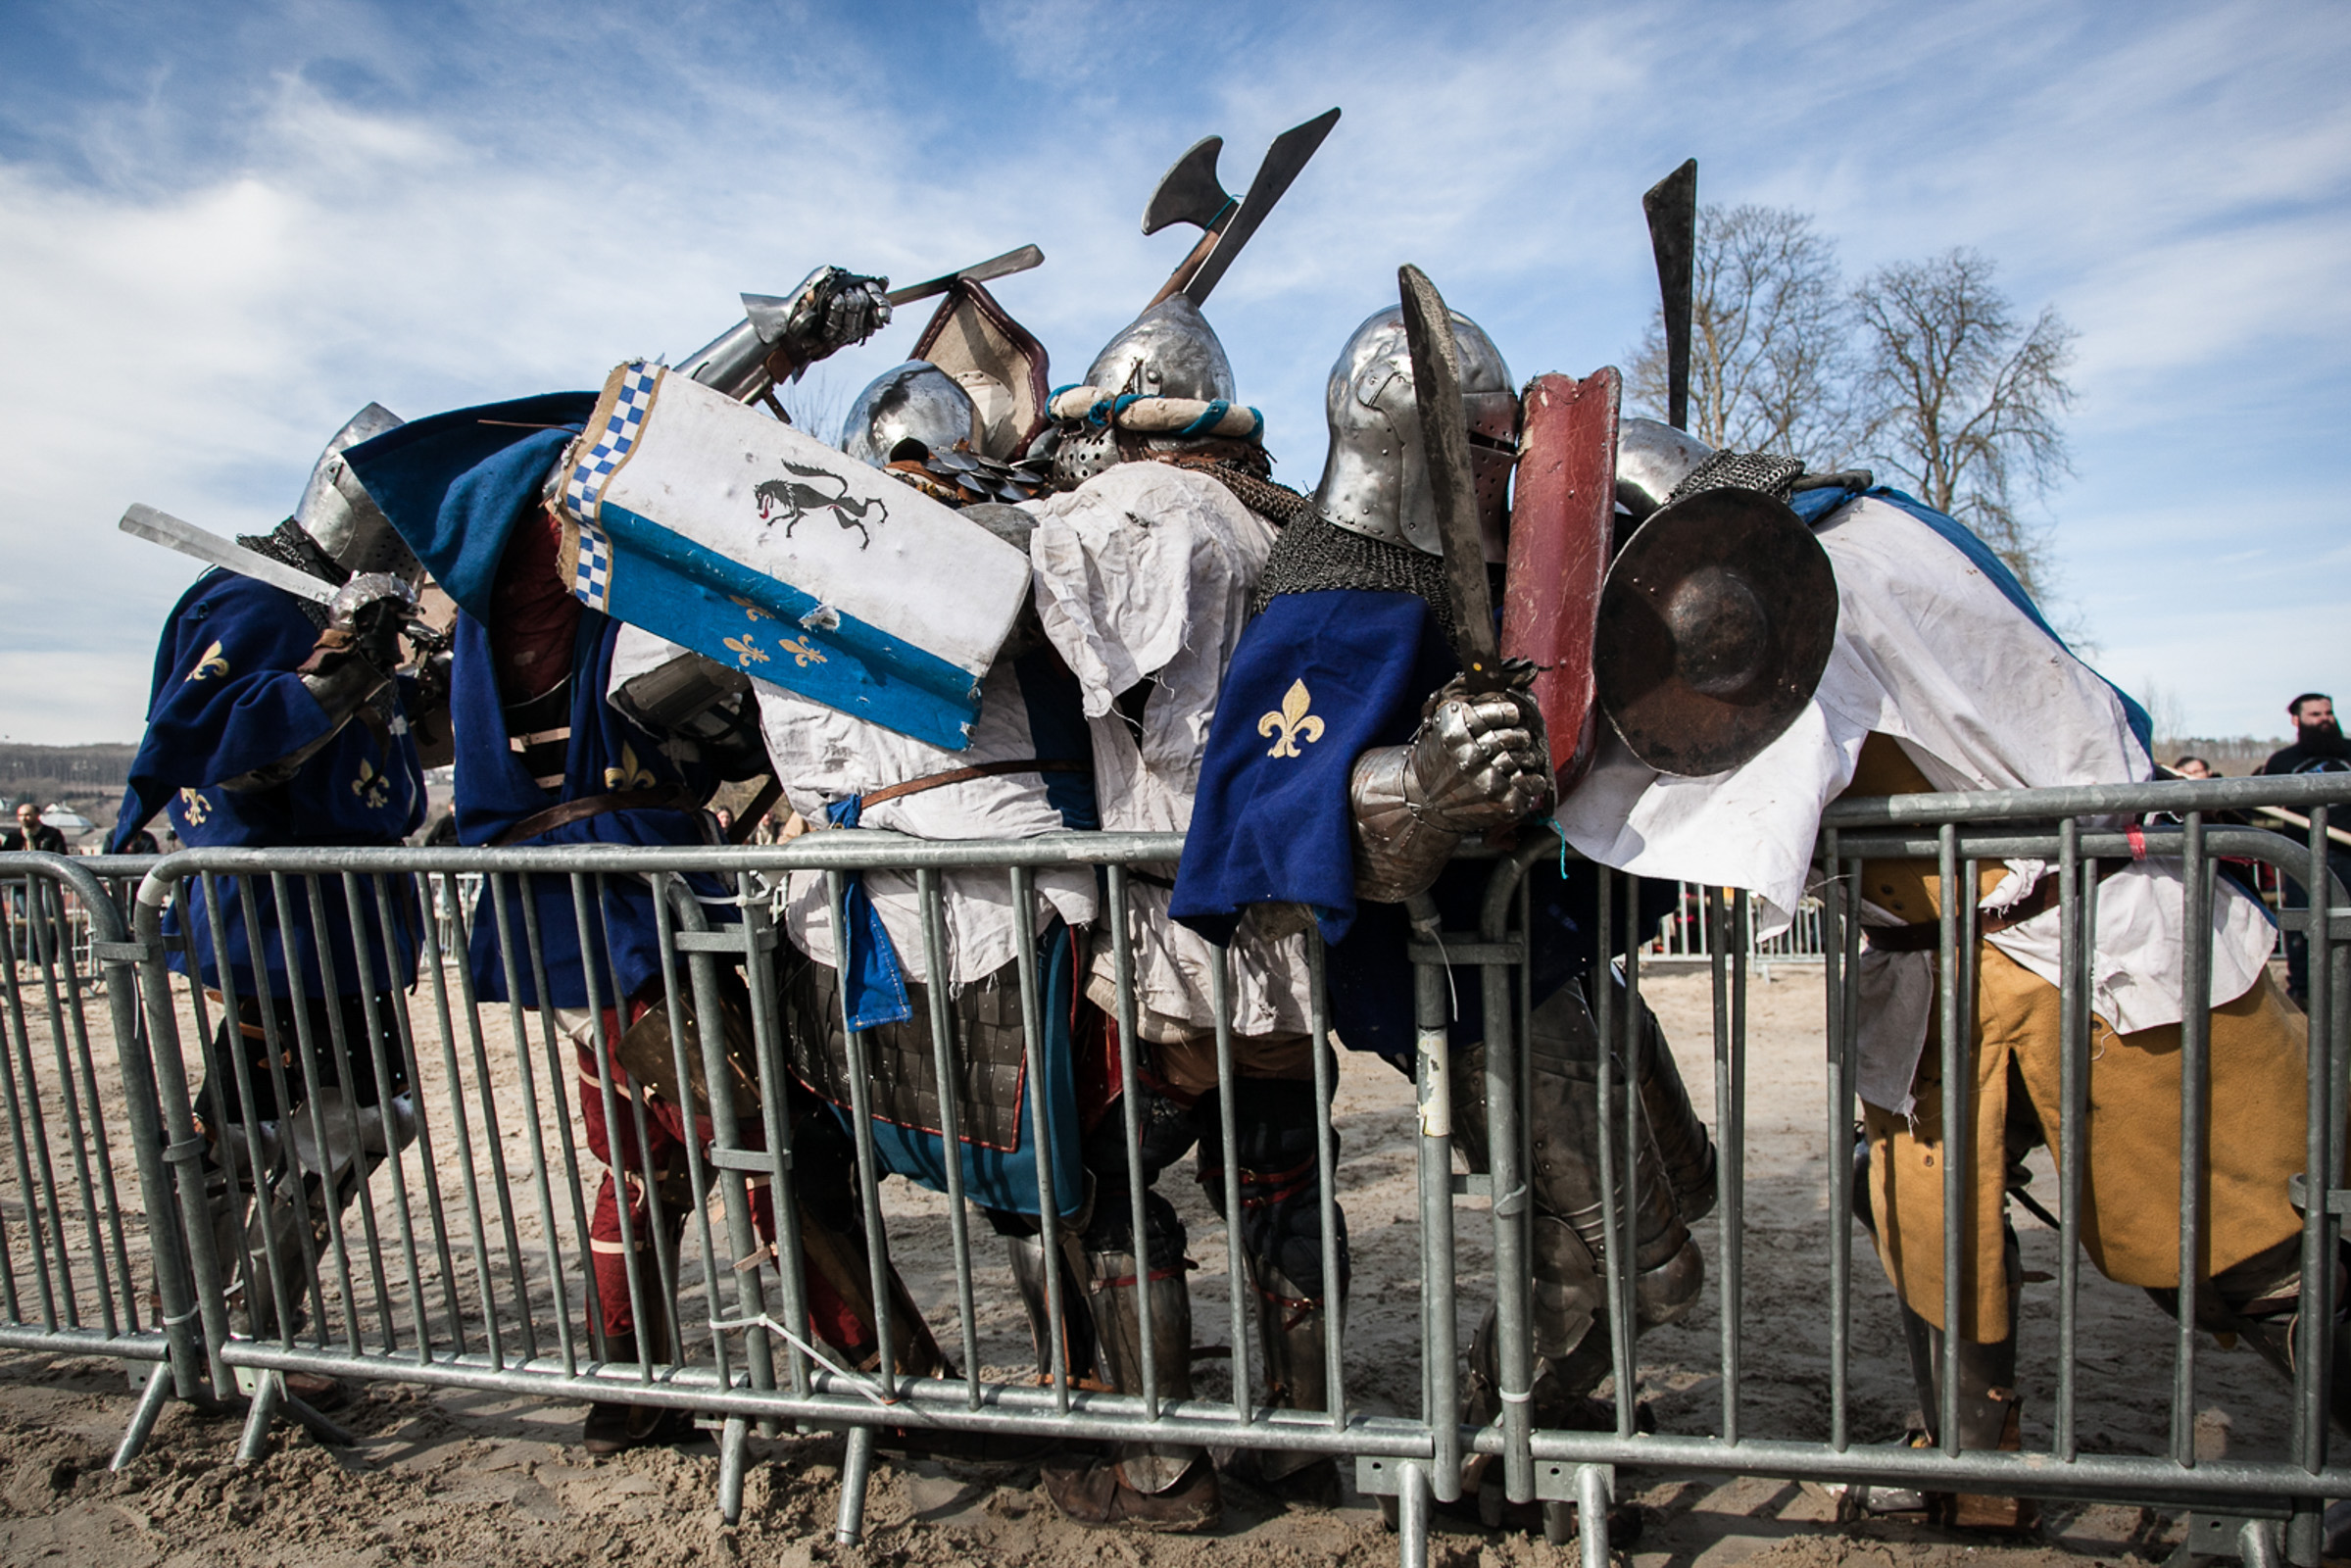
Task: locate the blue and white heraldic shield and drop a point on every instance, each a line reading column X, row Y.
column 728, row 532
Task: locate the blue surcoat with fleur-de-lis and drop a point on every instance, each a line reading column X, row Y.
column 227, row 701
column 1317, row 679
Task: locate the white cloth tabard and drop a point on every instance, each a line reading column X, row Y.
column 1145, row 572
column 821, row 755
column 1928, row 651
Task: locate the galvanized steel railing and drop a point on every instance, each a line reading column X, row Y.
column 463, row 1261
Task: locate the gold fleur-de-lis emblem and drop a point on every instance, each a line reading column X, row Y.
column 751, row 609
column 211, row 664
column 373, row 789
column 629, row 775
column 194, row 807
column 1290, row 724
column 803, row 652
column 746, row 651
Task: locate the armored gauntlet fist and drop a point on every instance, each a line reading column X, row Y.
column 832, row 310
column 366, row 617
column 1479, row 760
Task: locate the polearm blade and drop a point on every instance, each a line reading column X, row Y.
column 1283, row 161
column 160, row 527
column 987, row 271
column 1444, row 436
column 1672, row 206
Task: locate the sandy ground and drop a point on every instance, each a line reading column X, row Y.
column 446, row 1477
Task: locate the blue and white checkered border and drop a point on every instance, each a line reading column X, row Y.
column 592, row 578
column 612, row 445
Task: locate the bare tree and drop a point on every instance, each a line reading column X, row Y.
column 1962, row 405
column 1769, row 355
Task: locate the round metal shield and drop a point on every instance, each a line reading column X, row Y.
column 1714, row 626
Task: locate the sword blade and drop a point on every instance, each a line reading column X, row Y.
column 1283, row 161
column 1672, row 206
column 160, row 527
column 1445, row 437
column 996, row 266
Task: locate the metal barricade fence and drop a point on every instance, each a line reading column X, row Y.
column 1688, row 932
column 467, row 1257
column 463, row 1258
column 2072, row 830
column 80, row 1254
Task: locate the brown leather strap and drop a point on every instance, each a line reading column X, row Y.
column 958, row 775
column 1925, row 936
column 587, row 806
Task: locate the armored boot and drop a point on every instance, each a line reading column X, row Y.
column 615, row 1427
column 2260, row 1300
column 838, row 1256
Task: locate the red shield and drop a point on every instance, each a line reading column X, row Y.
column 1562, row 517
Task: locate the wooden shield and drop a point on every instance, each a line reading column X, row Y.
column 1562, row 517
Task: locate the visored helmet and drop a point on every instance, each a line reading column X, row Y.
column 911, row 402
column 342, row 518
column 1376, row 480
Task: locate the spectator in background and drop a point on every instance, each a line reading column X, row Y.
column 2318, row 748
column 727, row 825
column 141, row 843
column 32, row 833
column 2193, row 768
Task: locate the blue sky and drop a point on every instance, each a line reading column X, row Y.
column 224, row 227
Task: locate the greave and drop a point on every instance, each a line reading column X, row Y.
column 243, row 1232
column 1116, row 1285
column 1563, row 1112
column 1293, row 1334
column 1681, row 1140
column 1028, row 1259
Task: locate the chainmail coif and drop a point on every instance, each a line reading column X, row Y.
column 1314, row 554
column 288, row 546
column 1764, row 472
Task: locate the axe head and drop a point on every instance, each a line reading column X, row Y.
column 1190, row 191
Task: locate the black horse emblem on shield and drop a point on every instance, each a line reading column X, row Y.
column 806, row 496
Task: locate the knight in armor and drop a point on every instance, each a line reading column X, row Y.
column 275, row 722
column 1941, row 674
column 572, row 728
column 1148, row 559
column 1346, row 764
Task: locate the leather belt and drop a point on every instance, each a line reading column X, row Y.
column 1925, row 936
column 958, row 775
column 587, row 806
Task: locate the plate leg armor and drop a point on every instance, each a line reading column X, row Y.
column 1682, row 1138
column 1989, row 1413
column 832, row 1245
column 1116, row 1279
column 1568, row 1231
column 1027, row 1255
column 1281, row 1242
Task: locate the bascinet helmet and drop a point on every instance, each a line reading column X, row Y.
column 1376, row 480
column 340, row 515
column 911, row 402
column 1717, row 615
column 1169, row 351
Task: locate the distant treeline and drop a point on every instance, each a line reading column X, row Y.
column 80, row 766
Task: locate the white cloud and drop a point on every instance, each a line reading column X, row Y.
column 199, row 281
